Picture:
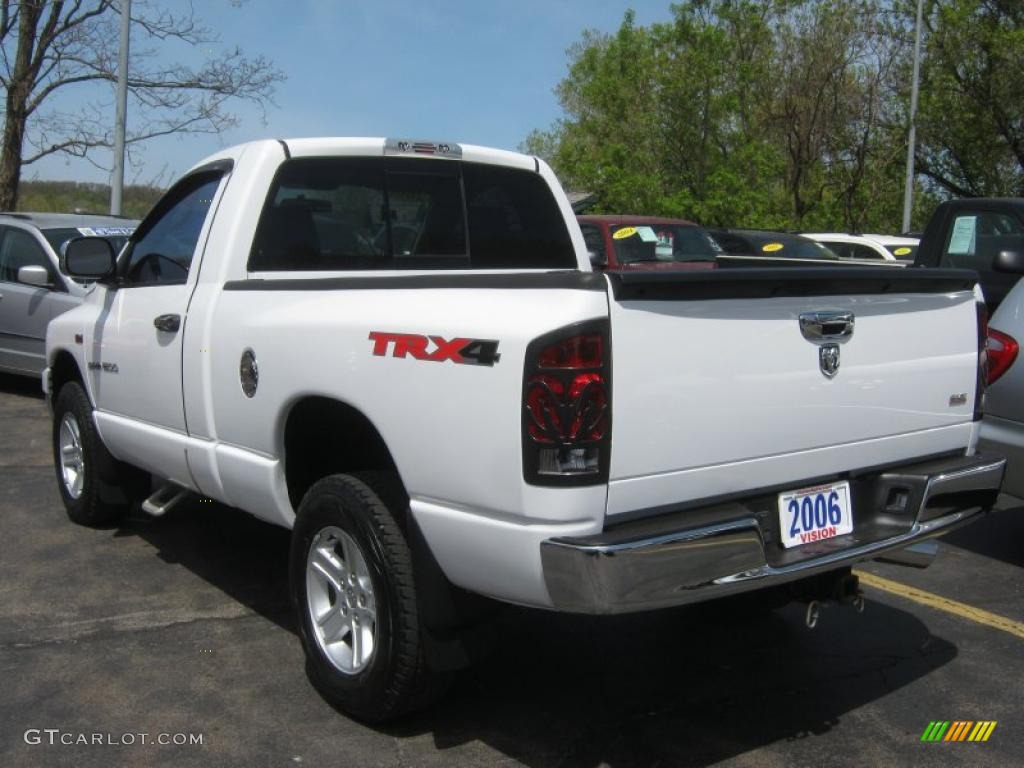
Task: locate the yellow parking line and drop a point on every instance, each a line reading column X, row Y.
column 963, row 610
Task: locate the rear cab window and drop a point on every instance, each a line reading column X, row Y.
column 371, row 213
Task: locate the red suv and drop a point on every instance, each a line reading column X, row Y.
column 647, row 242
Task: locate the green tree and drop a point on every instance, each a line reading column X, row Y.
column 971, row 118
column 792, row 113
column 761, row 112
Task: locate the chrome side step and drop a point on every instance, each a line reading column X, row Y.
column 164, row 499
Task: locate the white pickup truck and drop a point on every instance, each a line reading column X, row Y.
column 398, row 350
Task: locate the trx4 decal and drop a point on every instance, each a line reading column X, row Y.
column 436, row 348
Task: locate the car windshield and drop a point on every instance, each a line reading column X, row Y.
column 783, row 247
column 663, row 242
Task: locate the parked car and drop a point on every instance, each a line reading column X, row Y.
column 903, row 247
column 983, row 234
column 617, row 242
column 32, row 289
column 867, row 248
column 437, row 416
column 766, row 244
column 1002, row 428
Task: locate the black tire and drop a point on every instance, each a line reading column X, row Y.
column 107, row 486
column 395, row 679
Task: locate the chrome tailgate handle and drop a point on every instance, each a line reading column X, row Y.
column 816, row 326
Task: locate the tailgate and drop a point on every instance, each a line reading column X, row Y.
column 720, row 389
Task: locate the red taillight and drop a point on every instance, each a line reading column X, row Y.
column 572, row 353
column 566, row 406
column 1000, row 352
column 544, row 407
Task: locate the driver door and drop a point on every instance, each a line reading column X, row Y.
column 135, row 359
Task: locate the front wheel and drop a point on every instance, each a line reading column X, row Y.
column 86, row 472
column 353, row 592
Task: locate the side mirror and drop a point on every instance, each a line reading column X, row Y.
column 35, row 275
column 88, row 258
column 597, row 259
column 1009, row 261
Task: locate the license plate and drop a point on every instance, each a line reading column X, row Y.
column 815, row 514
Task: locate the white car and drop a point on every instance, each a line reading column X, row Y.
column 398, row 349
column 883, row 248
column 32, row 289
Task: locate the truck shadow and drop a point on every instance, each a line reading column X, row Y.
column 689, row 686
column 685, row 687
column 998, row 535
column 241, row 556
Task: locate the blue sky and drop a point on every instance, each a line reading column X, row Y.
column 478, row 72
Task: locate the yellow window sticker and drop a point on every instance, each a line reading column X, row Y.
column 622, row 234
column 771, row 247
column 901, row 251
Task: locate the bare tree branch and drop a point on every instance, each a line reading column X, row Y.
column 69, row 44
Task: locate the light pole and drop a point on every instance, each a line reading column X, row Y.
column 117, row 185
column 908, row 190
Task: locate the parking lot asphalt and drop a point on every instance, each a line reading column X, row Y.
column 181, row 625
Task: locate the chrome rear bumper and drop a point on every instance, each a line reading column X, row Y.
column 640, row 566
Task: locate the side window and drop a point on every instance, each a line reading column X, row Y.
column 996, row 232
column 977, row 236
column 20, row 249
column 861, row 251
column 162, row 248
column 842, row 250
column 961, row 244
column 594, row 239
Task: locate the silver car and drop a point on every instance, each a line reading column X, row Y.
column 1002, row 428
column 32, row 290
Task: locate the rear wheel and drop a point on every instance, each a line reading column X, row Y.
column 353, row 592
column 95, row 488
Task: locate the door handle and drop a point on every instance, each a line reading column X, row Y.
column 167, row 323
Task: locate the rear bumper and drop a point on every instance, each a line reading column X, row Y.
column 663, row 562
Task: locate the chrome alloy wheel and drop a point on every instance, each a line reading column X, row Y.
column 340, row 600
column 72, row 459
